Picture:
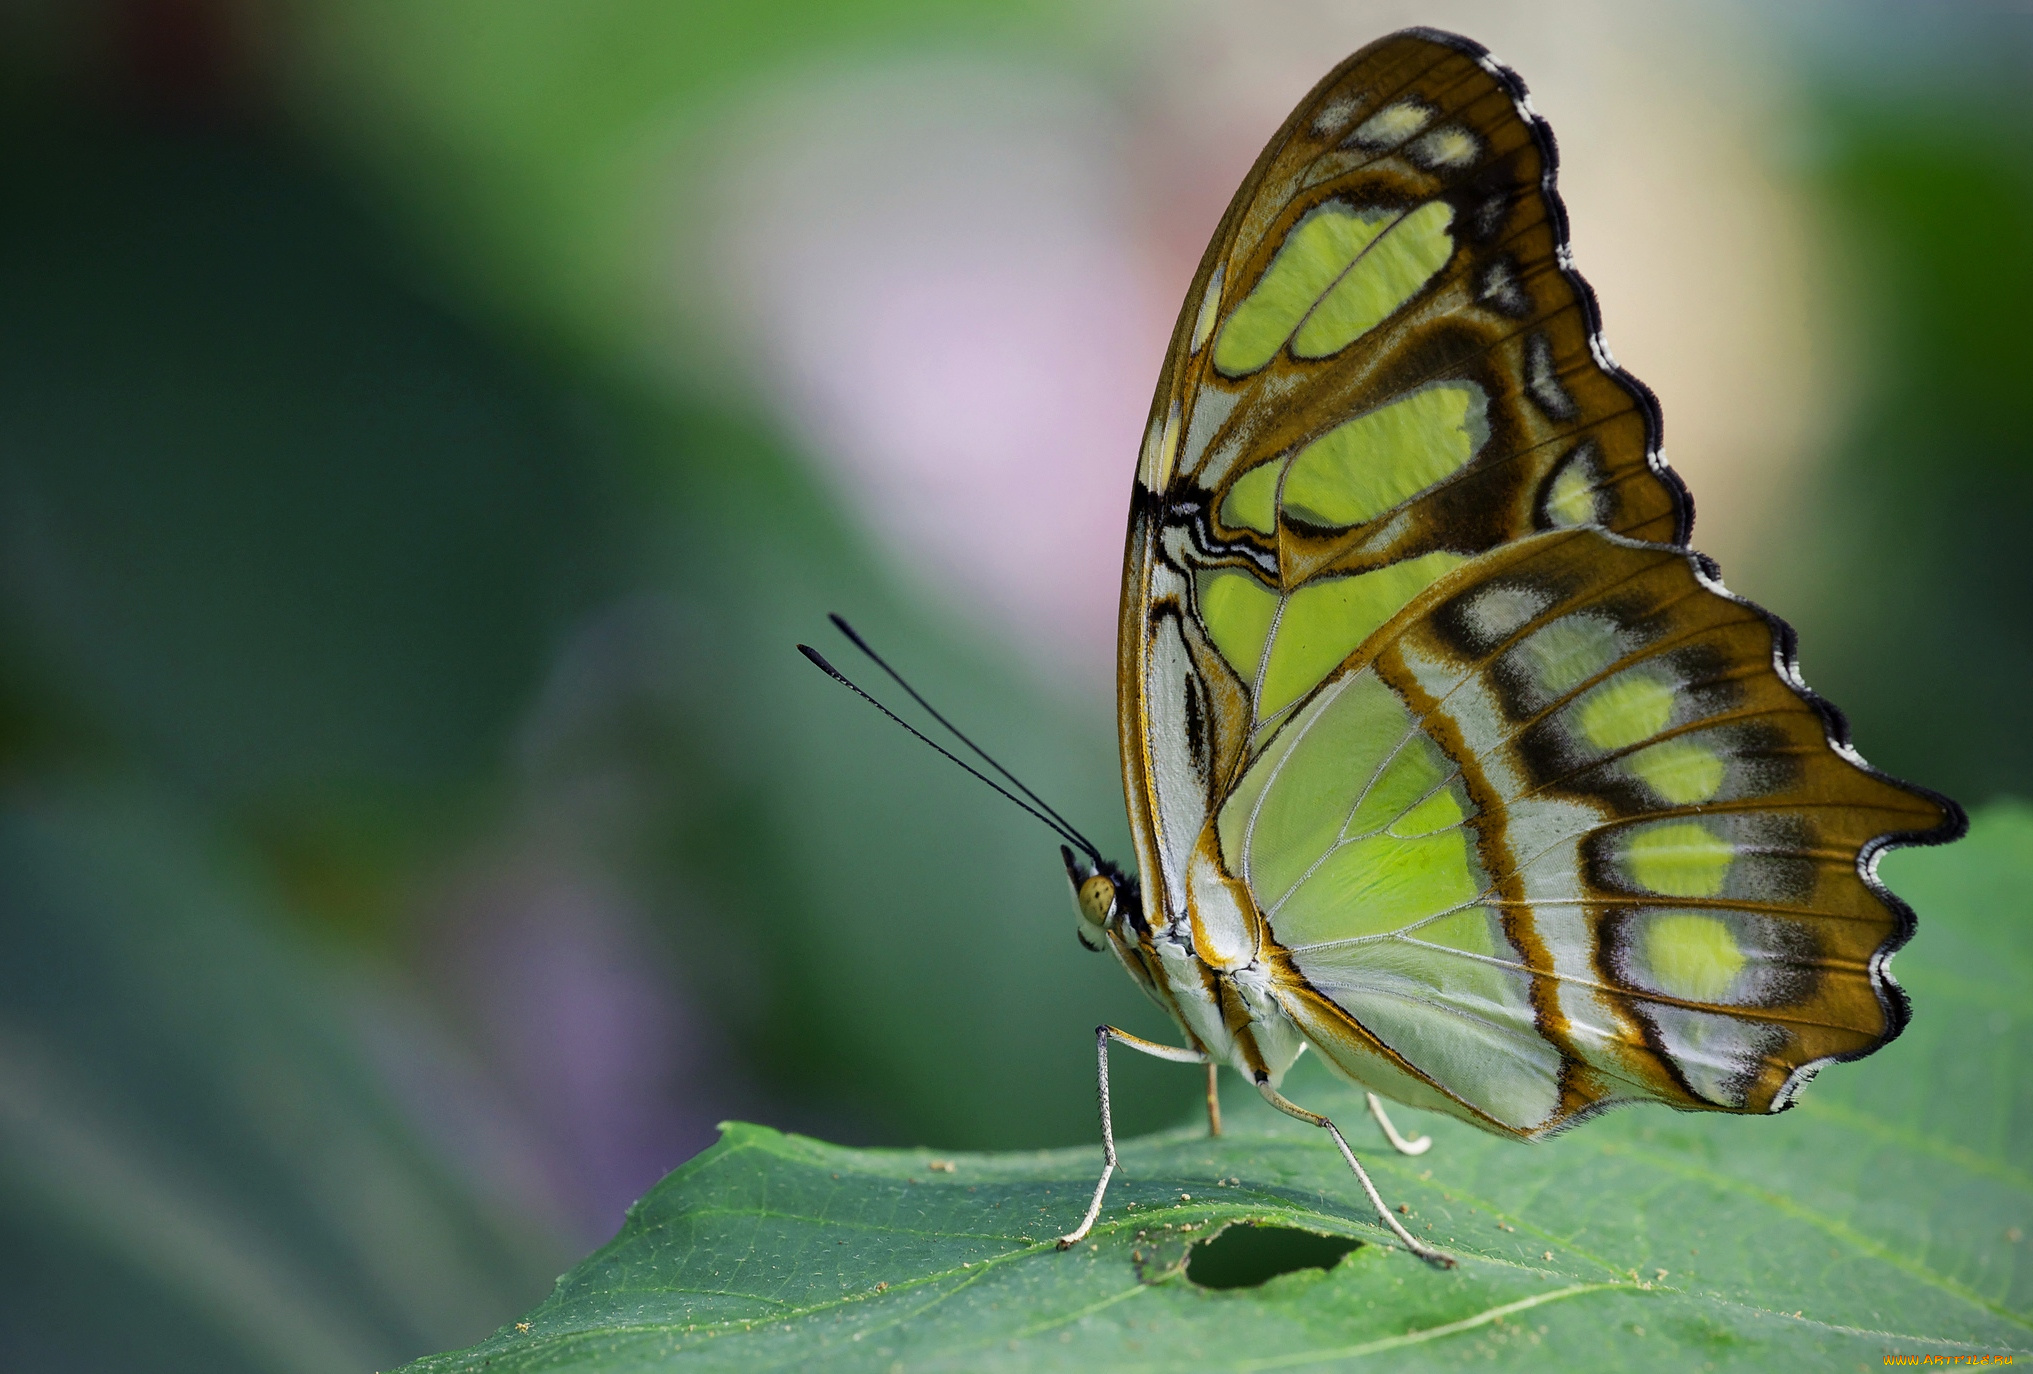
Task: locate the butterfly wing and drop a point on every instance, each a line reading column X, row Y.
column 1384, row 366
column 1570, row 831
column 1387, row 387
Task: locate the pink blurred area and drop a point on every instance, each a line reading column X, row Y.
column 943, row 281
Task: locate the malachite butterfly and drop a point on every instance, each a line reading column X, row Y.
column 1445, row 756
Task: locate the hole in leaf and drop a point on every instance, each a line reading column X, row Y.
column 1246, row 1255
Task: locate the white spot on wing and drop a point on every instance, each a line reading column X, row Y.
column 1147, row 461
column 1447, row 147
column 1210, row 309
column 1393, row 124
column 1502, row 290
column 1333, row 115
column 1503, row 610
column 1544, row 380
column 1167, row 451
column 1211, row 407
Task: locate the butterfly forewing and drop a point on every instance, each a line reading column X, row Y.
column 1384, row 366
column 1422, row 698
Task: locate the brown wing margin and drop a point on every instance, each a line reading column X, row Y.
column 1591, row 309
column 1953, row 826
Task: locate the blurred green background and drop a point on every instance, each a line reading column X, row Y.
column 425, row 430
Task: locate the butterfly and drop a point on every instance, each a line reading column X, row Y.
column 1444, row 755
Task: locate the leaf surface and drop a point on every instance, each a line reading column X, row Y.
column 1888, row 1214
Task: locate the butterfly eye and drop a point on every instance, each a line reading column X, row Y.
column 1094, row 900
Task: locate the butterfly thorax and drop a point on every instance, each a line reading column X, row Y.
column 1206, row 974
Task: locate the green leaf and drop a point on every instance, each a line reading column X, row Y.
column 1889, row 1214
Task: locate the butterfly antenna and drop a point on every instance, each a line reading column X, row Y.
column 840, row 624
column 1057, row 826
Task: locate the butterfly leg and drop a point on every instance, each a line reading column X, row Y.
column 1423, row 1251
column 1102, row 1035
column 1398, row 1142
column 1213, row 1098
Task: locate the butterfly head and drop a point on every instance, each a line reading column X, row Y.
column 1104, row 900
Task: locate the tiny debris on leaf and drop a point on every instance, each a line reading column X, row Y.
column 940, row 1166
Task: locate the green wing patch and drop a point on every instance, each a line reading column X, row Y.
column 1337, row 275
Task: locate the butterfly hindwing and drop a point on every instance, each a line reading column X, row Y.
column 1425, row 707
column 1569, row 832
